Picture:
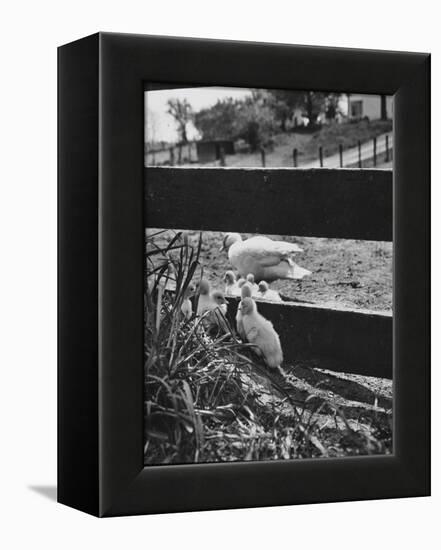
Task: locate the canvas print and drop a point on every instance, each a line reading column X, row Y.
column 264, row 346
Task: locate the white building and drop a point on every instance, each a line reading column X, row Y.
column 358, row 106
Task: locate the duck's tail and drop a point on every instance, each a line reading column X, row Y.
column 297, row 272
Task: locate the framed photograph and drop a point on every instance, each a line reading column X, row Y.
column 244, row 274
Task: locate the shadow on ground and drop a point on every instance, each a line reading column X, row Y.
column 47, row 491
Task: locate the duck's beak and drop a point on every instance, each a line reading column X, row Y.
column 222, row 248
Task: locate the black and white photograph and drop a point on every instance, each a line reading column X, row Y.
column 261, row 344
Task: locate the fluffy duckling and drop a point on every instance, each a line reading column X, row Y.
column 231, row 286
column 251, row 282
column 213, row 302
column 265, row 293
column 205, row 303
column 240, row 282
column 219, row 301
column 246, row 292
column 260, row 332
column 187, row 306
column 267, row 259
column 214, row 310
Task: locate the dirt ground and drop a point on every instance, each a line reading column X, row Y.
column 352, row 413
column 347, row 273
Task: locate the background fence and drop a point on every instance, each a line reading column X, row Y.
column 368, row 154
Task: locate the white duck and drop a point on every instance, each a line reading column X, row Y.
column 186, row 306
column 245, row 293
column 260, row 332
column 218, row 298
column 231, row 286
column 213, row 307
column 251, row 281
column 267, row 259
column 266, row 293
column 208, row 301
column 240, row 282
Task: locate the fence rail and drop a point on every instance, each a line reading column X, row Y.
column 346, row 203
column 356, row 341
column 349, row 204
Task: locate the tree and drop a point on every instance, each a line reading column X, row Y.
column 284, row 103
column 314, row 103
column 250, row 119
column 256, row 122
column 332, row 105
column 219, row 121
column 181, row 111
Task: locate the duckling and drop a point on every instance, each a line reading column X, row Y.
column 219, row 301
column 214, row 309
column 240, row 282
column 260, row 332
column 251, row 282
column 246, row 292
column 205, row 303
column 187, row 306
column 266, row 259
column 265, row 293
column 210, row 302
column 231, row 286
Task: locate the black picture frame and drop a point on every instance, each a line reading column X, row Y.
column 100, row 282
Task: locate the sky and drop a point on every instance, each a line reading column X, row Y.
column 161, row 126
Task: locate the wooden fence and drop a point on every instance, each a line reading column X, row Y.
column 348, row 203
column 378, row 150
column 180, row 153
column 367, row 154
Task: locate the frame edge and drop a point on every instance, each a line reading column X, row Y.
column 78, row 87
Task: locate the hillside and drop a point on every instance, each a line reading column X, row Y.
column 307, row 144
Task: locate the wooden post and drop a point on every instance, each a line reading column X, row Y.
column 375, row 151
column 383, row 108
column 263, row 155
column 222, row 156
column 294, row 157
column 340, row 150
column 180, row 153
column 387, row 148
column 321, row 156
column 189, row 151
column 359, row 153
column 172, row 156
